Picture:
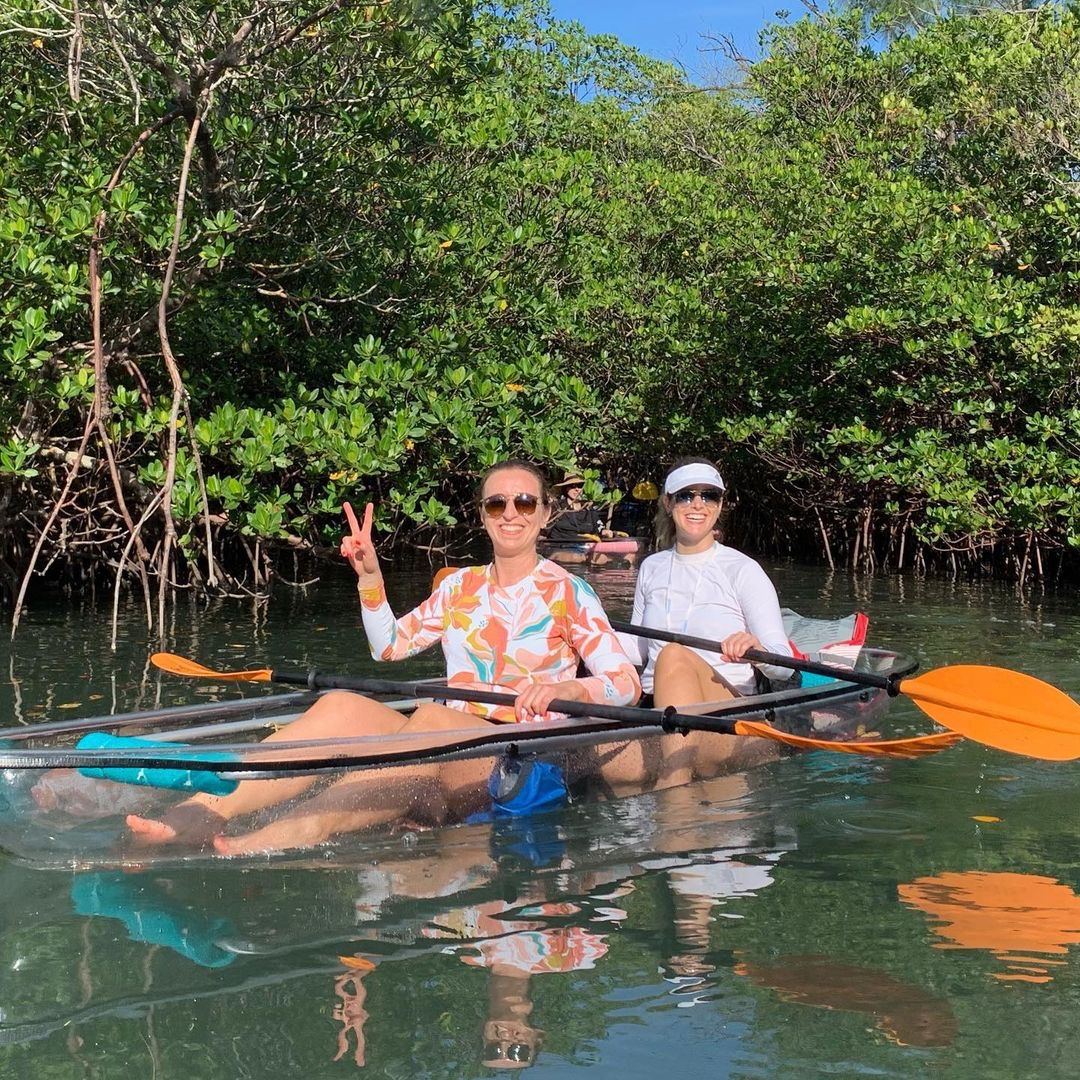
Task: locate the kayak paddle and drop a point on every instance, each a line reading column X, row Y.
column 1005, row 709
column 722, row 721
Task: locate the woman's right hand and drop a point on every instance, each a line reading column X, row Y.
column 357, row 547
column 736, row 645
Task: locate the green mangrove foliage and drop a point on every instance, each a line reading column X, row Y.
column 256, row 263
column 869, row 264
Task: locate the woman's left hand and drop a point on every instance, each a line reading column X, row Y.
column 533, row 702
column 735, row 646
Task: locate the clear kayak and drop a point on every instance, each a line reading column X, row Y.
column 65, row 804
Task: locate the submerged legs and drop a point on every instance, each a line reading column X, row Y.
column 426, row 794
column 358, row 800
column 683, row 678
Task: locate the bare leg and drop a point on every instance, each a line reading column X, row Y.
column 631, row 767
column 356, row 801
column 432, row 794
column 336, row 715
column 682, row 678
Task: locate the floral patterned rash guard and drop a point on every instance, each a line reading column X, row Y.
column 525, row 946
column 505, row 639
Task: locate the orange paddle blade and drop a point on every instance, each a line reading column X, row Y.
column 1001, row 708
column 441, row 574
column 916, row 746
column 181, row 665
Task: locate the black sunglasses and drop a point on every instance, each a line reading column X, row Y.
column 495, row 505
column 517, row 1052
column 709, row 496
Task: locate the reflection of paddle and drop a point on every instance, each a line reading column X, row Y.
column 991, row 705
column 724, row 720
column 907, row 1014
column 1025, row 920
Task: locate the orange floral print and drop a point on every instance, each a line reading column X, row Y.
column 493, row 638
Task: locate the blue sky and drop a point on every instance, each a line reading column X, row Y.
column 672, row 30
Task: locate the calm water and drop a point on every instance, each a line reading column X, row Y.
column 820, row 916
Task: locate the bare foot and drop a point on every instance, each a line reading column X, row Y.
column 231, row 845
column 156, row 832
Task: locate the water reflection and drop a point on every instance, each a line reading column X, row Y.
column 1024, row 920
column 759, row 903
column 905, row 1013
column 149, row 915
column 631, row 889
column 513, row 952
column 350, row 1011
column 563, row 913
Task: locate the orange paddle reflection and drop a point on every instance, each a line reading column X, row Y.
column 1024, row 920
column 906, row 1014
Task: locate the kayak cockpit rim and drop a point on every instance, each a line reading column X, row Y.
column 554, row 736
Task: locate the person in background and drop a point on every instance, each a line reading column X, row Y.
column 631, row 513
column 574, row 519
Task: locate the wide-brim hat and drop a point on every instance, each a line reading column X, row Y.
column 571, row 479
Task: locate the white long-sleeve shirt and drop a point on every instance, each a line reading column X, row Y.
column 711, row 594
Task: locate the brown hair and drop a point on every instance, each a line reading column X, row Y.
column 525, row 466
column 663, row 522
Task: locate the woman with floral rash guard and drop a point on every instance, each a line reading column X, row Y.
column 520, row 624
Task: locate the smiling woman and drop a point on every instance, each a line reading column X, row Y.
column 696, row 585
column 520, row 623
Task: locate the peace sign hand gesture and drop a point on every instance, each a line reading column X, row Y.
column 357, row 547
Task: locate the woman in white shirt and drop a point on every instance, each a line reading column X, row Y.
column 695, row 585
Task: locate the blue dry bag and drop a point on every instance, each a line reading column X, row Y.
column 520, row 786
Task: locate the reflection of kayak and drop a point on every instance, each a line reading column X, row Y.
column 401, row 891
column 619, row 551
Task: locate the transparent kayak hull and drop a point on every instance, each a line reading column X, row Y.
column 51, row 814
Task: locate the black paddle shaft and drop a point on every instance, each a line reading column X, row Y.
column 667, row 719
column 889, row 683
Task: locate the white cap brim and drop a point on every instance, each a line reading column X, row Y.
column 697, row 472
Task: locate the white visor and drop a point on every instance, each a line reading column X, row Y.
column 697, row 472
